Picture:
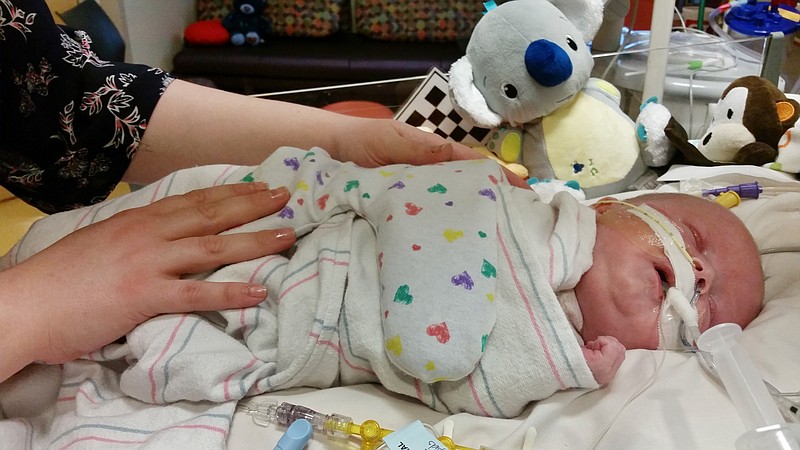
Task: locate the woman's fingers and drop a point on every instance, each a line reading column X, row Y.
column 202, row 253
column 211, row 211
column 194, row 295
column 206, row 195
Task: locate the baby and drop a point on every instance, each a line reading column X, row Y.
column 621, row 295
column 443, row 283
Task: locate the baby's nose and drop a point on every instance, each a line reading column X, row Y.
column 704, row 275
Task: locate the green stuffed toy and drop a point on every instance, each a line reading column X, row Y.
column 527, row 76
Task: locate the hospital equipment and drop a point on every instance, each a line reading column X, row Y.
column 296, row 436
column 750, row 190
column 332, row 425
column 739, row 376
column 678, row 322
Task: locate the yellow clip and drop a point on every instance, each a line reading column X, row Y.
column 372, row 435
column 729, row 199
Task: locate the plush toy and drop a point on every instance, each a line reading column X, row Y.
column 246, row 23
column 206, row 32
column 526, row 75
column 750, row 121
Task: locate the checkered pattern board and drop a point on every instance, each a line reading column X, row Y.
column 430, row 107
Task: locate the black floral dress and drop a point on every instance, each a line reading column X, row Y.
column 69, row 122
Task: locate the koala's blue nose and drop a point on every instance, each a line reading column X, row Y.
column 547, row 63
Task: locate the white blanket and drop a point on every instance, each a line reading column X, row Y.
column 177, row 377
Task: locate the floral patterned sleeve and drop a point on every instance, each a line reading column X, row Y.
column 69, row 122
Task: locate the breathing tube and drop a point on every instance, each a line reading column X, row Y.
column 678, row 320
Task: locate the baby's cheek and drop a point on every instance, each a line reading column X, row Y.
column 704, row 313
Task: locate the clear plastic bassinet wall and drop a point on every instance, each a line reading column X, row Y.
column 699, row 66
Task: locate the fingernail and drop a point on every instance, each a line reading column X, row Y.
column 279, row 192
column 442, row 148
column 285, row 233
column 258, row 186
column 257, row 291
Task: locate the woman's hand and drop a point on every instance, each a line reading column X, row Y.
column 98, row 283
column 379, row 142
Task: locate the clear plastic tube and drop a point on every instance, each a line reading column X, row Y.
column 739, row 376
column 759, row 413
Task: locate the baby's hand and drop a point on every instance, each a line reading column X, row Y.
column 604, row 355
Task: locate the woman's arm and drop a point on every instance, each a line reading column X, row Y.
column 195, row 125
column 99, row 282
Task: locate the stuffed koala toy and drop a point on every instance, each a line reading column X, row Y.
column 750, row 120
column 526, row 74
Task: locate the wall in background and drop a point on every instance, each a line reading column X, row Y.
column 152, row 29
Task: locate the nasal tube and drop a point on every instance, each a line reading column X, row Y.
column 760, row 415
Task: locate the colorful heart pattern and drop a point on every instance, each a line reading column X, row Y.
column 394, row 345
column 322, row 202
column 412, row 209
column 488, row 270
column 437, row 189
column 439, row 331
column 350, row 185
column 404, row 294
column 292, row 163
column 488, row 193
column 463, row 280
column 286, row 213
column 452, row 235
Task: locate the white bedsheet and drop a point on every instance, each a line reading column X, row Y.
column 683, row 408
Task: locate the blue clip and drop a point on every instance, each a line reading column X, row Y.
column 489, row 6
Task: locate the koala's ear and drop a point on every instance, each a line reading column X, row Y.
column 586, row 15
column 467, row 99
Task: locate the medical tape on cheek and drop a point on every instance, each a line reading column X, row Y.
column 676, row 308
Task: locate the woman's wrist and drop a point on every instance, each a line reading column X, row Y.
column 16, row 331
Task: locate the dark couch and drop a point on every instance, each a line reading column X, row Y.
column 288, row 63
column 333, row 42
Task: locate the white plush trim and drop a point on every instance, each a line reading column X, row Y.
column 467, row 97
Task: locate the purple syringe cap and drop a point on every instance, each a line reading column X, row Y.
column 745, row 190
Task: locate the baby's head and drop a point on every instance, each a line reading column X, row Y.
column 621, row 294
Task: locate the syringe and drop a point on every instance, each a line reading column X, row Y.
column 760, row 415
column 751, row 190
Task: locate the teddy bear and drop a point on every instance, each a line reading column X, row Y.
column 526, row 75
column 246, row 23
column 752, row 123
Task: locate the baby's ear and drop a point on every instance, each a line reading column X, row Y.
column 602, row 205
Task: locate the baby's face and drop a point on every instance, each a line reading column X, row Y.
column 621, row 294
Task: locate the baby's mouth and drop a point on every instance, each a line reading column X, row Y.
column 667, row 278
